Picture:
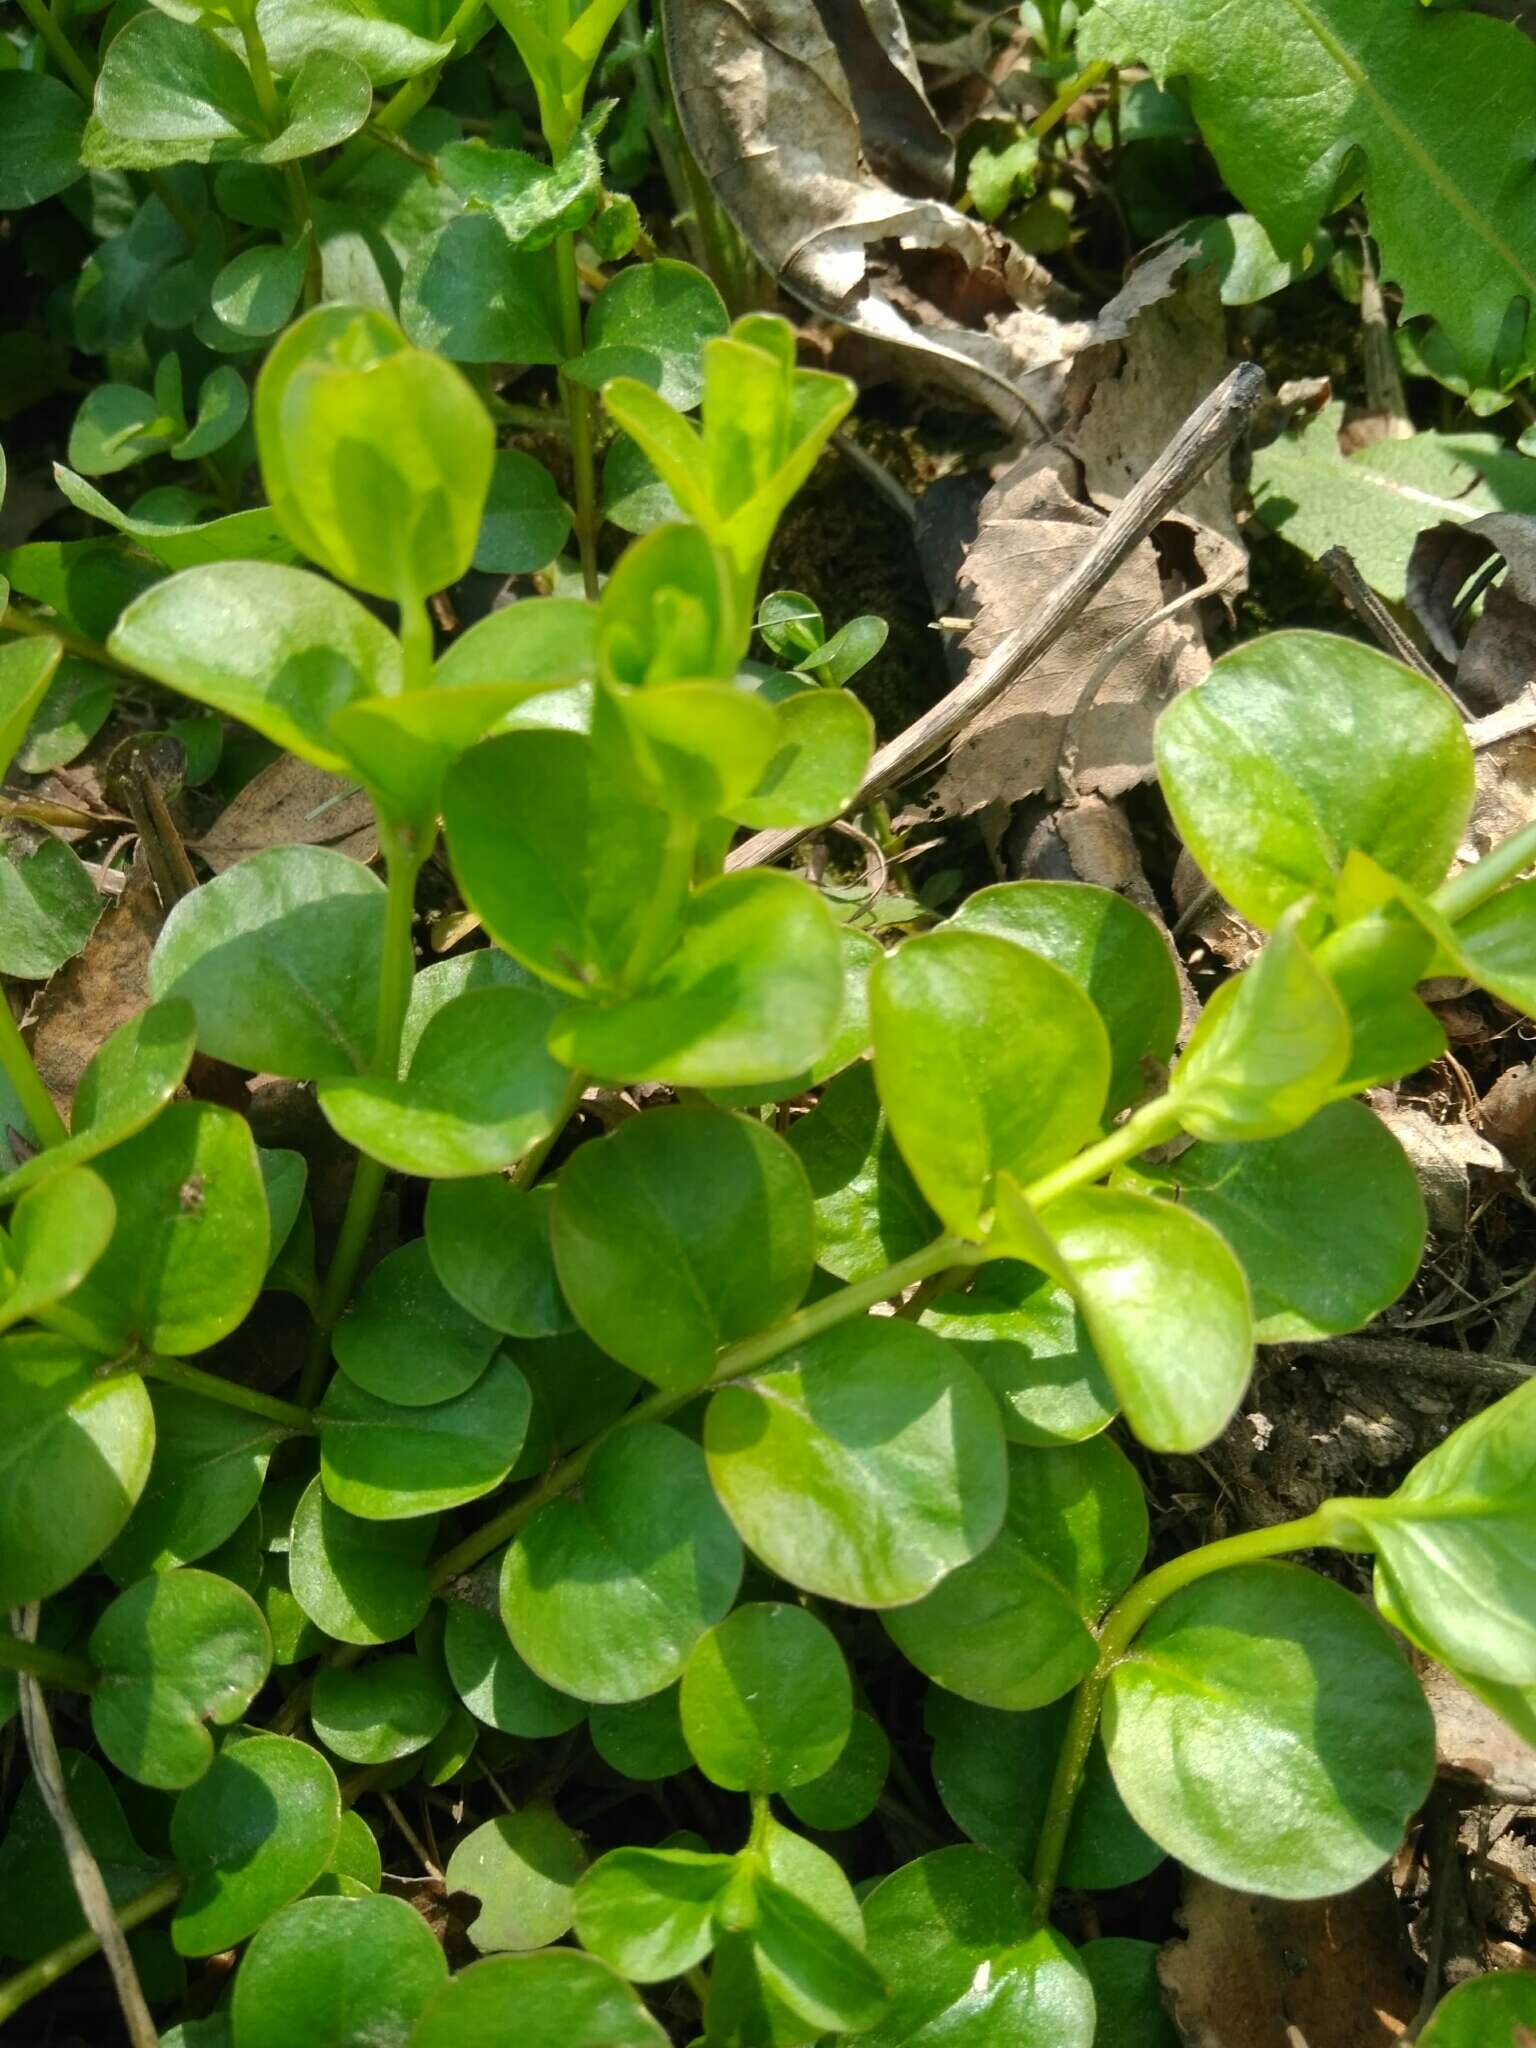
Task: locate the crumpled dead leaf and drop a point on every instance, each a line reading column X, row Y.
column 1267, row 1973
column 1444, row 559
column 102, row 987
column 1444, row 1156
column 291, row 803
column 1476, row 1749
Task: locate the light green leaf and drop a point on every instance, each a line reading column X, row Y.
column 533, row 202
column 72, row 1434
column 252, row 1834
column 58, row 1231
column 389, row 46
column 1415, row 107
column 1483, row 2012
column 171, row 92
column 865, row 1466
column 523, row 1868
column 27, row 670
column 650, row 1912
column 1014, row 1629
column 606, row 1595
column 175, row 1652
column 850, row 1042
column 766, row 1700
column 223, row 406
column 965, row 1100
column 335, row 1972
column 378, row 1712
column 279, row 957
column 1234, row 1683
column 329, row 100
column 359, row 1581
column 387, row 1463
column 405, row 1339
column 560, row 1996
column 176, row 542
column 704, row 1216
column 825, row 738
column 1298, row 748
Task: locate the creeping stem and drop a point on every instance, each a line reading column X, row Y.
column 54, row 1667
column 29, row 1983
column 1121, row 1626
column 174, row 1372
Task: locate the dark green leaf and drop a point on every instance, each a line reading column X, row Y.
column 493, row 1681
column 38, row 1906
column 490, row 1248
column 651, row 322
column 378, row 1712
column 387, row 1463
column 48, row 909
column 526, row 520
column 360, row 1582
column 469, row 294
column 252, row 1834
column 171, row 92
column 560, row 1996
column 847, row 1790
column 766, row 1701
column 59, row 1229
column 210, row 1460
column 41, row 122
column 1127, row 1993
column 256, row 292
column 405, row 1339
column 337, row 1972
column 641, row 1738
column 870, row 1212
column 1026, row 1338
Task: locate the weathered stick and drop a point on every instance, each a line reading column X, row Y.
column 1213, row 426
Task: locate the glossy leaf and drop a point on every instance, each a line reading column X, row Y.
column 1114, row 953
column 641, row 1738
column 42, row 121
column 766, row 1701
column 58, row 1230
column 1025, row 1337
column 378, row 1712
column 606, row 1595
column 1483, row 2012
column 1496, row 945
column 334, row 1972
column 870, row 1212
column 490, row 1248
column 360, row 1582
column 824, row 741
column 171, row 92
column 866, row 1465
column 650, row 1912
column 651, row 322
column 847, row 1790
column 72, row 1434
column 1014, row 1628
column 1299, row 747
column 405, row 1339
column 250, row 1835
column 177, row 1651
column 522, row 1868
column 491, row 1678
column 703, row 1215
column 963, row 1099
column 1233, row 1683
column 562, row 1999
column 481, row 1090
column 850, row 1041
column 387, row 1463
column 210, row 1461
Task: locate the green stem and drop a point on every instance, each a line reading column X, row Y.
column 38, row 1977
column 47, row 1124
column 174, row 1372
column 1150, row 1125
column 15, row 620
column 1122, row 1624
column 271, row 106
column 54, row 1667
column 61, row 49
column 1068, row 97
column 526, row 1172
column 1460, row 896
column 417, row 647
column 658, row 122
column 578, row 408
column 403, row 864
column 463, row 29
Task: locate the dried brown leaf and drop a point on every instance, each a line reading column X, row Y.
column 102, row 987
column 291, row 803
column 1476, row 1748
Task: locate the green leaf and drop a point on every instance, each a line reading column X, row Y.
column 360, row 1582
column 172, row 92
column 128, row 1079
column 174, row 541
column 249, row 1836
column 27, row 671
column 74, row 708
column 223, row 406
column 534, row 203
column 766, row 1700
column 1127, row 1993
column 1327, row 1221
column 58, row 1231
column 850, row 1042
column 481, row 1091
column 1269, row 1049
column 1234, row 1683
column 1112, row 950
column 965, row 1100
column 1496, row 945
column 176, row 1651
column 1377, row 500
column 523, row 1868
column 475, row 299
column 606, row 1595
column 189, row 1253
column 1415, row 109
column 870, row 1212
column 847, row 1791
column 389, row 46
column 356, row 1853
column 255, row 293
column 641, row 1738
column 75, row 1435
column 993, row 1772
column 493, row 1681
column 851, row 648
column 577, row 1391
column 38, row 1906
column 335, row 1972
column 388, row 1463
column 809, row 1964
column 650, row 1912
column 825, row 738
column 329, row 100
column 751, row 992
column 1483, row 2012
column 953, row 1936
column 210, row 1460
column 704, row 1216
column 376, row 456
column 1166, row 1305
column 634, row 497
column 1456, row 1545
column 48, row 909
column 560, row 1997
column 526, row 521
column 41, row 121
column 864, row 1466
column 1025, row 1337
column 277, row 648
column 651, row 322
column 279, row 957
column 490, row 1248
column 405, row 1339
column 1014, row 1629
column 555, row 855
column 378, row 1712
column 791, row 625
column 1297, row 749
